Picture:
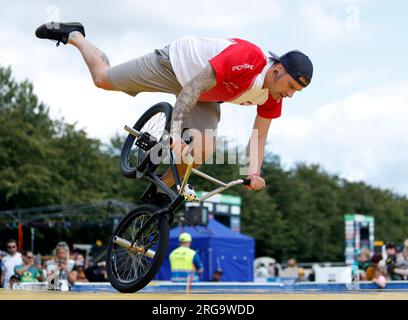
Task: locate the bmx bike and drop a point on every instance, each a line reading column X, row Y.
column 139, row 243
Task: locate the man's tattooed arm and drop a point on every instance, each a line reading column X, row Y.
column 105, row 59
column 188, row 97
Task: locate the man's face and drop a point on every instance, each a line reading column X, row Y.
column 279, row 83
column 11, row 248
column 390, row 251
column 292, row 263
column 362, row 258
column 28, row 258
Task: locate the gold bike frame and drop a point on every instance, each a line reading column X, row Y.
column 223, row 186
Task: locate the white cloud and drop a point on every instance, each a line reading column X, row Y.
column 349, row 79
column 211, row 14
column 324, row 25
column 362, row 137
column 354, row 2
column 101, row 113
column 359, row 137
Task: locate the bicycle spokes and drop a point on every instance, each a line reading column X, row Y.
column 132, row 261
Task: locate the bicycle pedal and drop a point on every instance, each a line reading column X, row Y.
column 146, row 141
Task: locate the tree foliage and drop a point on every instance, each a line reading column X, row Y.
column 44, row 161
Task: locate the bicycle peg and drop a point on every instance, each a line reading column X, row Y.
column 132, row 131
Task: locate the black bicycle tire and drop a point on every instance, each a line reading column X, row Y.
column 140, row 283
column 125, row 169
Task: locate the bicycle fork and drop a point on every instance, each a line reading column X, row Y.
column 131, row 246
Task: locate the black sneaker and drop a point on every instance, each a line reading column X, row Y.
column 58, row 31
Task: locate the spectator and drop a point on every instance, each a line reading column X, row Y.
column 184, row 261
column 261, row 271
column 2, row 255
column 217, row 275
column 391, row 261
column 9, row 262
column 61, row 263
column 97, row 272
column 73, row 255
column 14, row 281
column 80, row 275
column 291, row 270
column 405, row 250
column 312, row 275
column 79, row 268
column 362, row 262
column 370, row 271
column 401, row 265
column 29, row 271
column 380, row 275
column 79, row 260
column 400, row 257
column 44, row 266
column 301, row 275
column 273, row 269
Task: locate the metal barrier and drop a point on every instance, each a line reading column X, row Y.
column 251, row 287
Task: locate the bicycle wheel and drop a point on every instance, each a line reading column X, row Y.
column 130, row 271
column 154, row 121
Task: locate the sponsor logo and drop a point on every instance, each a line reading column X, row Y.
column 242, row 66
column 230, row 86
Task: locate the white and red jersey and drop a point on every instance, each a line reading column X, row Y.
column 240, row 69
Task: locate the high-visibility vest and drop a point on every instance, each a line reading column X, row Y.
column 181, row 263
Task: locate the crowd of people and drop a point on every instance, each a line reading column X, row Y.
column 60, row 271
column 70, row 266
column 274, row 270
column 368, row 266
column 381, row 269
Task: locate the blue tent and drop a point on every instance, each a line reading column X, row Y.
column 218, row 247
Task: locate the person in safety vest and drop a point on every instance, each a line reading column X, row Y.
column 185, row 263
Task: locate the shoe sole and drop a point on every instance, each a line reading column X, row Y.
column 50, row 31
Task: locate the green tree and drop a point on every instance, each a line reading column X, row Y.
column 46, row 161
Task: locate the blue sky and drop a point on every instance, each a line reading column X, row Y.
column 351, row 120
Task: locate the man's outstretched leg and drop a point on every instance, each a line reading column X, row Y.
column 97, row 62
column 149, row 73
column 74, row 34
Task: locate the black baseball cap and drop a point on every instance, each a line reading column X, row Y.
column 390, row 245
column 297, row 64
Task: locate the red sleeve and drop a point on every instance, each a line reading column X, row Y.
column 270, row 109
column 238, row 61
